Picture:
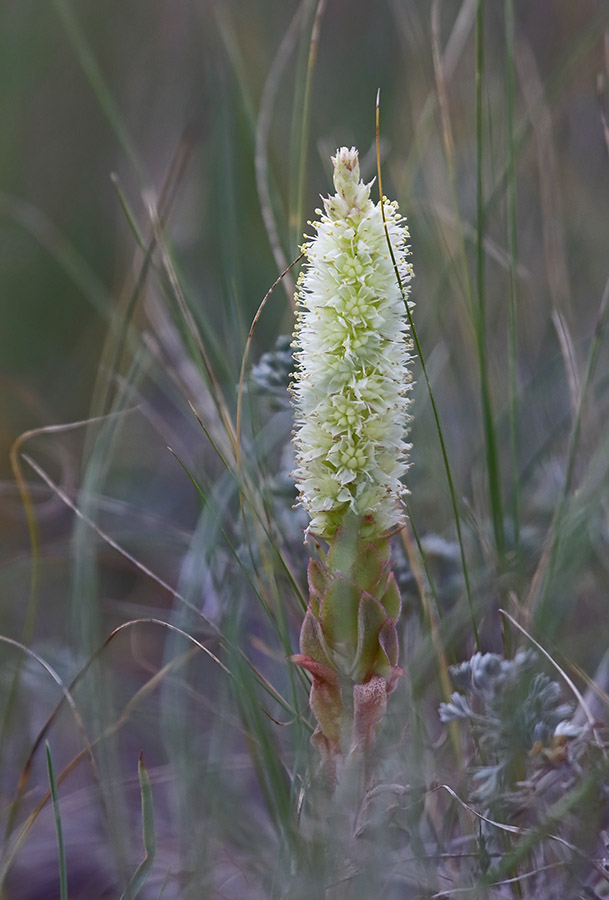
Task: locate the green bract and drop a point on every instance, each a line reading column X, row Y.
column 350, row 389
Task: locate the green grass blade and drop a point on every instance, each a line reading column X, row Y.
column 267, row 189
column 142, row 873
column 305, row 123
column 96, row 79
column 492, row 459
column 436, row 415
column 63, row 880
column 196, row 485
column 52, row 239
column 552, row 90
column 298, row 154
column 512, row 233
column 541, row 586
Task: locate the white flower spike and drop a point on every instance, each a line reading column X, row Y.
column 352, row 380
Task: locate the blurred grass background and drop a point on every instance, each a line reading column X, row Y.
column 224, row 94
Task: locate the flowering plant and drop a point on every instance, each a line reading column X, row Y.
column 351, row 395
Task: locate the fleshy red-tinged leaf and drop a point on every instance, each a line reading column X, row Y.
column 396, row 672
column 388, row 639
column 383, row 547
column 312, row 641
column 391, row 599
column 318, row 580
column 325, row 698
column 327, row 707
column 369, row 707
column 328, row 753
column 339, row 614
column 371, row 616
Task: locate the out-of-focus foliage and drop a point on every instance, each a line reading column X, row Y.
column 158, row 163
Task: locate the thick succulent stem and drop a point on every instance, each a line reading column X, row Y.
column 349, row 643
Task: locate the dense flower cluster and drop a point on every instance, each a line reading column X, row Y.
column 352, row 379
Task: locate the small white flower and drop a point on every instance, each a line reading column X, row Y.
column 351, row 386
column 566, row 729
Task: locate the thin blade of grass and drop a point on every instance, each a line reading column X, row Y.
column 192, row 478
column 268, row 763
column 538, row 593
column 69, row 699
column 531, row 836
column 37, row 224
column 512, row 235
column 34, row 538
column 11, row 850
column 120, row 334
column 263, row 125
column 305, row 122
column 192, row 331
column 447, row 469
column 95, row 77
column 128, row 212
column 576, row 692
column 552, row 216
column 296, row 149
column 431, row 611
column 233, row 51
column 574, row 55
column 143, row 871
column 567, row 350
column 492, row 457
column 63, row 879
column 247, row 349
column 110, row 541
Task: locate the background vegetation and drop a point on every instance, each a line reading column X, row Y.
column 158, row 163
